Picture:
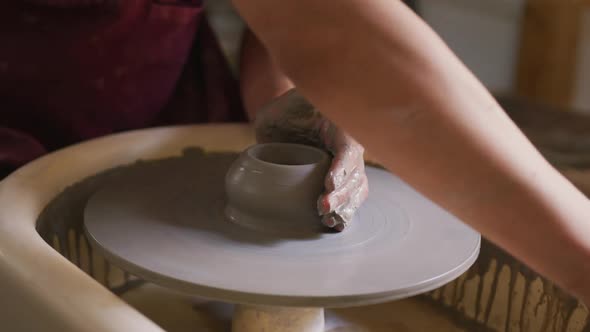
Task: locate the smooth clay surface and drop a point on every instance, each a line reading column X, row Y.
column 274, row 187
column 163, row 221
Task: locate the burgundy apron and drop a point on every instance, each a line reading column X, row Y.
column 71, row 70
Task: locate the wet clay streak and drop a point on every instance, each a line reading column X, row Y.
column 502, row 294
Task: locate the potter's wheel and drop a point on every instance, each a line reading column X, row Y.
column 165, row 223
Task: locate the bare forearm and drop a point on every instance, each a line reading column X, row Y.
column 380, row 73
column 261, row 80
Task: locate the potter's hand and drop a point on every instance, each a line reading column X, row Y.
column 292, row 119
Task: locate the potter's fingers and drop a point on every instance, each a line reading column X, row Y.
column 346, row 154
column 346, row 161
column 331, row 200
column 341, row 218
column 346, row 211
column 334, row 221
column 330, row 220
column 343, row 215
column 360, row 196
column 340, row 227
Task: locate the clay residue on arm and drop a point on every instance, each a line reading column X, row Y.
column 289, row 119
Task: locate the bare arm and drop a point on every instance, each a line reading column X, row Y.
column 380, row 73
column 261, row 80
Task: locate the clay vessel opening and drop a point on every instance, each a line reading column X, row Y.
column 287, row 154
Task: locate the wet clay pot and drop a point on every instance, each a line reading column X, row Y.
column 274, row 187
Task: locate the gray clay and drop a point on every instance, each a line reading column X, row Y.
column 274, row 188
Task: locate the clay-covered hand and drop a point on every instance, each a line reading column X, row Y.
column 290, row 118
